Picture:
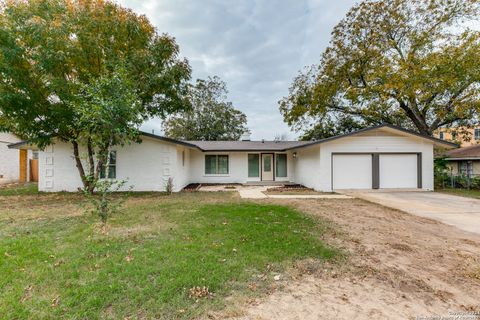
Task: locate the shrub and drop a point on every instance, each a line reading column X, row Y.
column 104, row 202
column 169, row 186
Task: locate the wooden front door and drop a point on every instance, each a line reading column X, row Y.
column 34, row 170
column 23, row 166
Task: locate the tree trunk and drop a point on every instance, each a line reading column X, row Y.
column 422, row 127
column 78, row 161
column 91, row 160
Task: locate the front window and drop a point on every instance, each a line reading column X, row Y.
column 112, row 167
column 216, row 164
column 281, row 165
column 442, row 135
column 477, row 134
column 253, row 165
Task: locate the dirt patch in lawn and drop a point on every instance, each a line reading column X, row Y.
column 399, row 266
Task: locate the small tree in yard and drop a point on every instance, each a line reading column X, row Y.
column 109, row 113
column 106, row 200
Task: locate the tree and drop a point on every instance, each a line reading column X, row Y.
column 109, row 112
column 329, row 127
column 405, row 62
column 211, row 117
column 53, row 51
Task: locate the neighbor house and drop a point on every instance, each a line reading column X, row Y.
column 15, row 165
column 380, row 157
column 464, row 136
column 464, row 161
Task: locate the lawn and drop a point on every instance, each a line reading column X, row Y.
column 57, row 263
column 22, row 189
column 462, row 192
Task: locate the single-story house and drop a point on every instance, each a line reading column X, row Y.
column 379, row 157
column 15, row 166
column 464, row 161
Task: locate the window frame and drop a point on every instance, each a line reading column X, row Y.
column 465, row 168
column 216, row 164
column 276, row 165
column 103, row 172
column 476, row 134
column 259, row 167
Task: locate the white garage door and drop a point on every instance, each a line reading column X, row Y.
column 398, row 171
column 352, row 171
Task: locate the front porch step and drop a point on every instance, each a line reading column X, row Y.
column 268, row 183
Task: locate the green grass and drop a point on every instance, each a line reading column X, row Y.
column 462, row 192
column 18, row 190
column 55, row 262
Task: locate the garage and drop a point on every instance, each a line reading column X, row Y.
column 397, row 171
column 352, row 171
column 376, row 171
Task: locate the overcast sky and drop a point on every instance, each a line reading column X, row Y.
column 256, row 46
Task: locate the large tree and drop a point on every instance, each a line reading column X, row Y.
column 412, row 63
column 53, row 51
column 211, row 116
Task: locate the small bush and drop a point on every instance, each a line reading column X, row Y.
column 169, row 186
column 103, row 201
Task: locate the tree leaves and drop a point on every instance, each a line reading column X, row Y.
column 211, row 117
column 50, row 50
column 395, row 61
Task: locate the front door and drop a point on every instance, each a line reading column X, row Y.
column 267, row 167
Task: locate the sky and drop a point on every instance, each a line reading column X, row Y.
column 256, row 46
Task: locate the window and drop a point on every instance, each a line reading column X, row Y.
column 281, row 165
column 216, row 164
column 442, row 135
column 183, row 158
column 112, row 167
column 477, row 134
column 466, row 168
column 454, row 135
column 253, row 165
column 267, row 163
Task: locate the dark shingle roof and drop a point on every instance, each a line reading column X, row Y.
column 466, row 152
column 247, row 145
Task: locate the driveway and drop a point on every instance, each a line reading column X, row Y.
column 464, row 213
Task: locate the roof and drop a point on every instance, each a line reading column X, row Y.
column 209, row 146
column 471, row 152
column 390, row 127
column 224, row 146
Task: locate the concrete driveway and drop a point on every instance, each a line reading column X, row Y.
column 464, row 213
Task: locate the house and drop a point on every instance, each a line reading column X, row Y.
column 380, row 157
column 464, row 161
column 465, row 136
column 15, row 166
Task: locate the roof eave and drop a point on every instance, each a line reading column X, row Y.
column 174, row 141
column 22, row 145
column 462, row 158
column 244, row 150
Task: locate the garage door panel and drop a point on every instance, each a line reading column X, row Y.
column 352, row 171
column 398, row 171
